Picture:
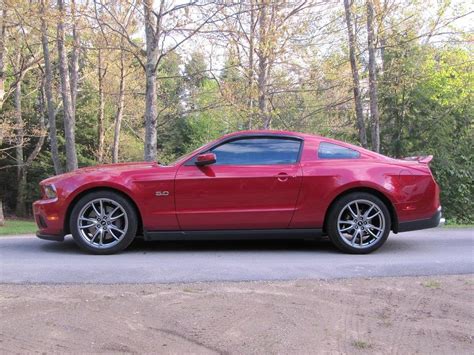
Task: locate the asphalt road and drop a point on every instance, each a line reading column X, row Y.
column 441, row 251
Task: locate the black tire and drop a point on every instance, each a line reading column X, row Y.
column 115, row 245
column 342, row 243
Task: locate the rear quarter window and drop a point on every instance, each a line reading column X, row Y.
column 328, row 150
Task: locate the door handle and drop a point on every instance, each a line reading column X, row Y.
column 283, row 177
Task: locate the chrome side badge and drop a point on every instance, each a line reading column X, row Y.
column 162, row 193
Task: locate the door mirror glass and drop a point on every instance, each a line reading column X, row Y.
column 205, row 159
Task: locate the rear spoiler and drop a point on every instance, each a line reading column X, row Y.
column 423, row 159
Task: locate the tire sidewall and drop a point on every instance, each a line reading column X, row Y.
column 129, row 210
column 333, row 215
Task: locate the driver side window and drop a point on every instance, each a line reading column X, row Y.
column 258, row 151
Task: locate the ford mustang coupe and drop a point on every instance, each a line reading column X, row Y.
column 251, row 184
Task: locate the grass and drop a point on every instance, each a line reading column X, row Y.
column 432, row 284
column 359, row 344
column 458, row 225
column 18, row 226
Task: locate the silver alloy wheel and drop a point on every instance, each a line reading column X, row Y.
column 102, row 223
column 361, row 223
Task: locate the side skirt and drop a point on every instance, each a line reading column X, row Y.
column 234, row 234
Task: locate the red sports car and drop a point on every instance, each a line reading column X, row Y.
column 251, row 184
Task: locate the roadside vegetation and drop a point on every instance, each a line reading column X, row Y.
column 85, row 83
column 18, row 226
column 432, row 284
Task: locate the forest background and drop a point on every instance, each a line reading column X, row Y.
column 85, row 82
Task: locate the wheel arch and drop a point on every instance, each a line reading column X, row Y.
column 375, row 192
column 102, row 188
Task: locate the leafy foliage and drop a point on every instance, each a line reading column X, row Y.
column 430, row 110
column 425, row 86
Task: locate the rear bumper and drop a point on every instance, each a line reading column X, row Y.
column 52, row 237
column 435, row 221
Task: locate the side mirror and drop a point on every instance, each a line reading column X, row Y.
column 205, row 159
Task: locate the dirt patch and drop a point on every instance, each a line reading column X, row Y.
column 380, row 315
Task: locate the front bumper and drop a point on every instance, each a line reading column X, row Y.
column 49, row 216
column 55, row 238
column 432, row 222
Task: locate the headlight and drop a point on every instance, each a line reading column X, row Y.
column 50, row 191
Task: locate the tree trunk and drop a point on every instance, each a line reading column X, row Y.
column 48, row 91
column 74, row 59
column 119, row 114
column 42, row 123
column 100, row 119
column 71, row 156
column 152, row 55
column 374, row 112
column 2, row 218
column 250, row 74
column 355, row 76
column 20, row 163
column 150, row 114
column 263, row 66
column 3, row 15
column 379, row 13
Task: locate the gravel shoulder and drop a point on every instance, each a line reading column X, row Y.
column 379, row 315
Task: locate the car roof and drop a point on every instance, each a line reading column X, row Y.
column 272, row 133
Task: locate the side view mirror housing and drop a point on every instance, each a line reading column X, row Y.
column 205, row 159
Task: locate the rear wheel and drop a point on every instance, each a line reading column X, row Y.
column 103, row 222
column 358, row 223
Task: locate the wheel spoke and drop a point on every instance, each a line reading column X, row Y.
column 95, row 235
column 101, row 238
column 357, row 209
column 113, row 211
column 116, row 228
column 87, row 219
column 112, row 234
column 87, row 226
column 346, row 229
column 102, row 211
column 371, row 226
column 116, row 217
column 368, row 211
column 355, row 236
column 352, row 212
column 372, row 233
column 374, row 215
column 95, row 209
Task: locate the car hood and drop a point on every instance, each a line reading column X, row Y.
column 103, row 169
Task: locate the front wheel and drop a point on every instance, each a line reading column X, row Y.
column 103, row 222
column 358, row 223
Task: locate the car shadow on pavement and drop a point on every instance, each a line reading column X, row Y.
column 232, row 245
column 141, row 246
column 321, row 245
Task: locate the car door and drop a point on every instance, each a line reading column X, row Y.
column 253, row 184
